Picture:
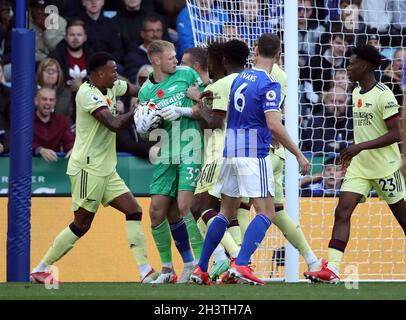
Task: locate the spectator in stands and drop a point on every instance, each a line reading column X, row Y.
column 101, row 34
column 393, row 74
column 229, row 31
column 352, row 21
column 152, row 29
column 69, row 9
column 341, row 80
column 309, row 29
column 4, row 113
column 143, row 73
column 330, row 130
column 325, row 183
column 49, row 75
column 322, row 66
column 254, row 21
column 129, row 21
column 398, row 10
column 196, row 58
column 3, row 137
column 6, row 24
column 52, row 132
column 378, row 14
column 72, row 53
column 170, row 9
column 48, row 32
column 211, row 19
column 374, row 40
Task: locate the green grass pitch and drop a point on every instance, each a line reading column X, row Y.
column 271, row 291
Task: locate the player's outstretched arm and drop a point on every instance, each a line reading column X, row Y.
column 113, row 123
column 132, row 90
column 392, row 136
column 273, row 120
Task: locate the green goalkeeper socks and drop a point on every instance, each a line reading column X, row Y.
column 162, row 237
column 195, row 237
column 136, row 239
column 63, row 242
column 294, row 235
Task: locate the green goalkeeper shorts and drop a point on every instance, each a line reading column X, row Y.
column 168, row 178
column 277, row 167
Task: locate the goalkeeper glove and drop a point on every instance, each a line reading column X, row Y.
column 144, row 119
column 172, row 113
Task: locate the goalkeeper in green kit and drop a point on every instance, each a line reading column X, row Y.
column 179, row 160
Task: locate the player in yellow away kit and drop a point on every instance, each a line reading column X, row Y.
column 92, row 168
column 373, row 161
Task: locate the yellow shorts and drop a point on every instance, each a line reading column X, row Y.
column 208, row 178
column 88, row 190
column 391, row 188
column 277, row 167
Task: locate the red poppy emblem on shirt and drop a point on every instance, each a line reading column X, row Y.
column 108, row 102
column 160, row 93
column 359, row 103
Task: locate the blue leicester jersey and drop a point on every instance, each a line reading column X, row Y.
column 253, row 93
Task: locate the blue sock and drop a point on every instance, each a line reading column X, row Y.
column 181, row 238
column 253, row 237
column 214, row 234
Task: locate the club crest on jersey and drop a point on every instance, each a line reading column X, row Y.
column 160, row 93
column 359, row 103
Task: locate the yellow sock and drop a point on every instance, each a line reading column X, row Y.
column 63, row 242
column 334, row 260
column 243, row 216
column 228, row 242
column 235, row 232
column 137, row 241
column 291, row 231
column 202, row 227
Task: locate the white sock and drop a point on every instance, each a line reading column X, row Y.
column 310, row 257
column 334, row 269
column 144, row 269
column 190, row 264
column 167, row 265
column 41, row 267
column 219, row 254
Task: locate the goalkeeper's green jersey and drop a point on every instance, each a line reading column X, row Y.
column 182, row 134
column 370, row 110
column 95, row 146
column 280, row 75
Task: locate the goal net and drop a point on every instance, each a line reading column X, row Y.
column 327, row 36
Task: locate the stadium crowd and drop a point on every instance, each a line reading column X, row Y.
column 328, row 32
